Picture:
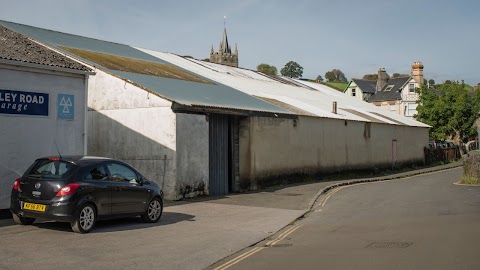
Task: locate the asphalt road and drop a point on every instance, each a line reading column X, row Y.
column 421, row 222
column 188, row 236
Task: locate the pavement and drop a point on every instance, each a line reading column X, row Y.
column 301, row 196
column 228, row 224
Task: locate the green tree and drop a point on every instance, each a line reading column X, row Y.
column 319, row 78
column 267, row 69
column 451, row 111
column 397, row 75
column 292, row 69
column 431, row 82
column 335, row 75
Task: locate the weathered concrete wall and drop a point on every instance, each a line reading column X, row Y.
column 274, row 147
column 192, row 155
column 24, row 138
column 130, row 124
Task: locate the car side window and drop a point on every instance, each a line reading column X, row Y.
column 97, row 173
column 119, row 172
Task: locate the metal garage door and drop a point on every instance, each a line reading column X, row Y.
column 218, row 154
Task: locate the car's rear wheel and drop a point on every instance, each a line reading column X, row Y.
column 85, row 219
column 154, row 211
column 23, row 220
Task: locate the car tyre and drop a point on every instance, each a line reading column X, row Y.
column 85, row 219
column 23, row 220
column 154, row 211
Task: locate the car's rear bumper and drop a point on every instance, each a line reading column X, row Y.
column 63, row 211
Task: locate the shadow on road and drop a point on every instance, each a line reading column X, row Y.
column 122, row 224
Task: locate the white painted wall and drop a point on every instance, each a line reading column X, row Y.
column 408, row 105
column 273, row 147
column 192, row 155
column 24, row 138
column 358, row 92
column 133, row 125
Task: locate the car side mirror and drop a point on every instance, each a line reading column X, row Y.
column 144, row 180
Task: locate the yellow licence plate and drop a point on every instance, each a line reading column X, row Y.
column 34, row 207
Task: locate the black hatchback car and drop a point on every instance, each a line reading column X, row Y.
column 81, row 190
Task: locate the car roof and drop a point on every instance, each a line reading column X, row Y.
column 78, row 159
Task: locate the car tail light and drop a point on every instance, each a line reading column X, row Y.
column 16, row 185
column 67, row 190
column 53, row 159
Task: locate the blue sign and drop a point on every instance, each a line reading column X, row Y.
column 26, row 103
column 66, row 106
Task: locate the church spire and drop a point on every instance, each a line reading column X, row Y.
column 224, row 55
column 225, row 46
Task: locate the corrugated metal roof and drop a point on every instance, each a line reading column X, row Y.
column 317, row 103
column 13, row 46
column 59, row 39
column 180, row 91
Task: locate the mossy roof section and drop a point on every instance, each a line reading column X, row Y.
column 132, row 65
column 59, row 39
column 17, row 47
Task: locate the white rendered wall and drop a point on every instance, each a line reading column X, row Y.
column 24, row 138
column 135, row 126
column 274, row 147
column 192, row 155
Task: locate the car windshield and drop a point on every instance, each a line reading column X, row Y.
column 46, row 168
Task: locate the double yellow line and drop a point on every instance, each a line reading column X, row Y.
column 257, row 249
column 325, row 199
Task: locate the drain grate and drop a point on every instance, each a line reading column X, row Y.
column 390, row 245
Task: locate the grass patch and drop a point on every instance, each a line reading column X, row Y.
column 470, row 181
column 337, row 85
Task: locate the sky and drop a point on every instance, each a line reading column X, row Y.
column 355, row 36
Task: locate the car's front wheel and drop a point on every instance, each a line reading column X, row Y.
column 154, row 211
column 85, row 219
column 23, row 220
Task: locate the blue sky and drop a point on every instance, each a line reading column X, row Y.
column 357, row 37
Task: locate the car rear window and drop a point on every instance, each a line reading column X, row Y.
column 46, row 168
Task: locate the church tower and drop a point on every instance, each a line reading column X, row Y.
column 225, row 56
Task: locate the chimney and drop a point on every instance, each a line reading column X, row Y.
column 334, row 107
column 382, row 79
column 417, row 72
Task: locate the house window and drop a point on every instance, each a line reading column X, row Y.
column 353, row 92
column 389, row 88
column 411, row 88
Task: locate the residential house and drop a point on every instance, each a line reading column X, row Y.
column 391, row 94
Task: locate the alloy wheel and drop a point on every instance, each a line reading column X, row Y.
column 154, row 210
column 87, row 218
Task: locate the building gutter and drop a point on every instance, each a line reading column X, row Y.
column 45, row 67
column 85, row 117
column 197, row 109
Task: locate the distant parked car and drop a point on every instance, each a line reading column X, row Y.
column 441, row 144
column 81, row 190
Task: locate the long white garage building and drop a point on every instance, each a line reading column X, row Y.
column 199, row 128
